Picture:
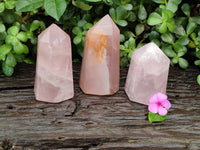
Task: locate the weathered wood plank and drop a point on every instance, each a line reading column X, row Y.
column 98, row 122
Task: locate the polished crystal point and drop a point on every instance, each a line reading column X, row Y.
column 100, row 63
column 54, row 79
column 148, row 73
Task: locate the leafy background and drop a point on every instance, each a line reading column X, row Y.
column 174, row 25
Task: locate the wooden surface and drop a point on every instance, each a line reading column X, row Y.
column 97, row 122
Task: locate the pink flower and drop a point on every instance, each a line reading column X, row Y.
column 159, row 104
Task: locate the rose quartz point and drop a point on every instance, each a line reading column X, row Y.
column 100, row 64
column 54, row 79
column 147, row 74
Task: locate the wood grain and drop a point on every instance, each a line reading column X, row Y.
column 89, row 122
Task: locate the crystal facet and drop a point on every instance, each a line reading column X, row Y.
column 100, row 64
column 54, row 79
column 148, row 73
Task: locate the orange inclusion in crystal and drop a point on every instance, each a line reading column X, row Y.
column 97, row 41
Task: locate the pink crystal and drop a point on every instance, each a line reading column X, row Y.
column 54, row 79
column 148, row 73
column 100, row 64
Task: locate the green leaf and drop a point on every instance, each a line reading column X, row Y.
column 9, row 39
column 33, row 40
column 10, row 60
column 142, row 13
column 168, row 51
column 9, row 17
column 2, row 7
column 29, row 34
column 186, row 9
column 167, row 37
column 131, row 17
column 122, row 23
column 175, row 60
column 154, row 19
column 124, row 61
column 55, row 8
column 35, row 25
column 122, row 38
column 28, row 5
column 182, row 20
column 2, row 27
column 3, row 35
column 183, row 63
column 19, row 57
column 87, row 26
column 182, row 51
column 20, row 48
column 122, row 47
column 10, row 4
column 139, row 29
column 93, row 0
column 167, row 14
column 81, row 5
column 195, row 19
column 190, row 27
column 22, row 36
column 179, row 30
column 198, row 79
column 163, row 28
column 191, row 45
column 77, row 30
column 154, row 35
column 129, row 34
column 184, row 40
column 156, row 41
column 4, row 50
column 159, row 1
column 29, row 60
column 77, row 40
column 7, row 70
column 14, row 30
column 17, row 24
column 171, row 24
column 130, row 53
column 177, row 47
column 81, row 23
column 197, row 62
column 173, row 5
column 131, row 43
column 121, row 13
column 156, row 117
column 112, row 13
column 128, row 6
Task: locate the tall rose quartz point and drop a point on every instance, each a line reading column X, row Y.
column 100, row 64
column 54, row 79
column 148, row 73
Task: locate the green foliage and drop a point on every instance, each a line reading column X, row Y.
column 28, row 5
column 198, row 79
column 54, row 8
column 15, row 38
column 172, row 24
column 153, row 118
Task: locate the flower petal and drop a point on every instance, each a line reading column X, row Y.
column 153, row 99
column 162, row 111
column 166, row 104
column 161, row 96
column 153, row 108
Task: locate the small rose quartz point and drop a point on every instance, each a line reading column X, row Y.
column 148, row 73
column 100, row 64
column 54, row 78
